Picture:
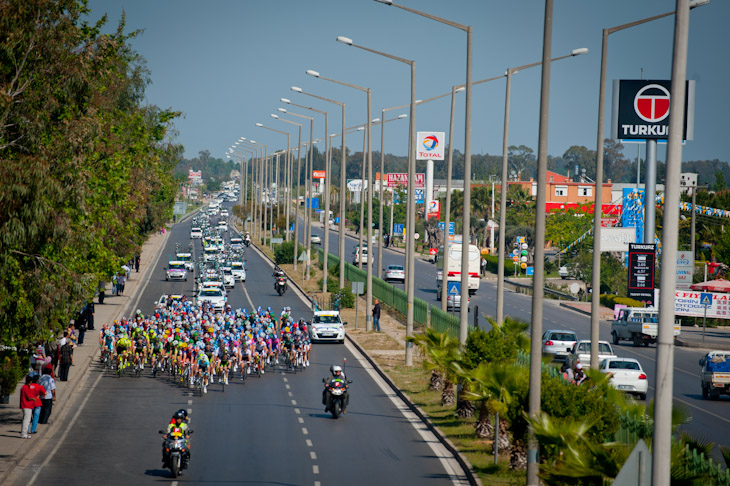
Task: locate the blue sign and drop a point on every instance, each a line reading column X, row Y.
column 530, row 271
column 420, row 196
column 398, row 230
column 291, row 227
column 632, row 213
column 454, row 288
column 315, row 202
column 705, row 298
column 442, row 225
column 337, row 220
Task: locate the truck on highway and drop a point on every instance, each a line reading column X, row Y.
column 454, row 270
column 638, row 325
column 715, row 374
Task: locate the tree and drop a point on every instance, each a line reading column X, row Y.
column 616, row 166
column 521, row 159
column 580, row 156
column 720, row 184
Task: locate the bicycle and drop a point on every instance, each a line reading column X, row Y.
column 138, row 365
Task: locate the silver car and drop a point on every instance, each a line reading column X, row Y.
column 395, row 272
column 558, row 343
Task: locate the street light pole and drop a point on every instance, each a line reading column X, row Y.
column 343, row 176
column 410, row 220
column 278, row 189
column 296, row 196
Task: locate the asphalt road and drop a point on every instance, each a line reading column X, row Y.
column 710, row 419
column 268, row 430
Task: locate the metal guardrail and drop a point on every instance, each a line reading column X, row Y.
column 546, row 290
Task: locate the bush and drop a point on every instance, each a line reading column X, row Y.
column 332, row 284
column 493, row 264
column 285, row 253
column 610, row 300
column 347, row 298
column 488, row 346
column 12, row 369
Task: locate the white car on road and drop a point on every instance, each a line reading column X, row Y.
column 327, row 326
column 214, row 296
column 196, row 233
column 558, row 343
column 627, row 375
column 239, row 271
column 229, row 280
column 316, row 239
column 395, row 272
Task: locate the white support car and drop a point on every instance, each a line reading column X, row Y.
column 627, row 375
column 239, row 271
column 214, row 295
column 196, row 233
column 188, row 259
column 176, row 271
column 229, row 281
column 327, row 326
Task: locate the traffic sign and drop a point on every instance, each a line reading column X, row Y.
column 398, row 229
column 530, row 271
column 442, row 226
column 520, row 239
column 706, row 298
column 454, row 288
column 303, row 257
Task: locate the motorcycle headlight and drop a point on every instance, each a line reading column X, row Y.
column 338, row 391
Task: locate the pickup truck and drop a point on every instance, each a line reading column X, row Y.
column 715, row 374
column 581, row 352
column 639, row 325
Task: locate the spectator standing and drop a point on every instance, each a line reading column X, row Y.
column 483, row 264
column 38, row 392
column 66, row 360
column 26, row 406
column 89, row 315
column 386, row 238
column 376, row 316
column 121, row 280
column 102, row 291
column 49, row 384
column 80, row 325
column 115, row 284
column 136, row 263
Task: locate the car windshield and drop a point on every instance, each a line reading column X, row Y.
column 326, row 319
column 177, row 266
column 562, row 336
column 196, row 230
column 211, row 293
column 395, row 267
column 235, row 240
column 237, row 266
column 227, row 271
column 623, row 365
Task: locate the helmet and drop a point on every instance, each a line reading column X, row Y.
column 180, row 414
column 335, row 368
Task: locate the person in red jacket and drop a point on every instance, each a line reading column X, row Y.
column 30, row 394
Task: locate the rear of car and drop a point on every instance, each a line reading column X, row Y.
column 558, row 343
column 188, row 259
column 327, row 326
column 316, row 239
column 236, row 244
column 395, row 272
column 626, row 374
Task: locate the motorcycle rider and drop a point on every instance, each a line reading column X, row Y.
column 279, row 278
column 336, row 373
column 178, row 427
column 247, row 239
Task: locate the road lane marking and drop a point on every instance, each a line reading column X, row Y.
column 287, row 386
column 285, row 379
column 317, row 483
column 305, row 431
column 297, row 411
column 248, row 297
column 290, row 394
column 294, row 402
column 301, row 420
column 190, row 410
column 313, row 455
column 315, row 469
column 309, row 443
column 190, row 402
column 68, row 429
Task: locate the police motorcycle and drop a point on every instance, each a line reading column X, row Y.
column 175, row 451
column 247, row 240
column 335, row 396
column 280, row 281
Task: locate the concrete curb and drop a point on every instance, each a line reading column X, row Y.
column 708, row 346
column 463, row 462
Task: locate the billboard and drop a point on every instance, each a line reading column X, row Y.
column 430, row 145
column 401, row 179
column 641, row 110
column 617, row 239
column 633, row 211
column 641, row 272
column 319, row 174
column 685, row 270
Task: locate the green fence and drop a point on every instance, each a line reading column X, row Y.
column 698, row 463
column 444, row 322
column 633, row 427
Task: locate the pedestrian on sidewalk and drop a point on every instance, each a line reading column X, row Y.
column 376, row 316
column 89, row 315
column 49, row 384
column 80, row 324
column 386, row 238
column 38, row 392
column 26, row 406
column 102, row 290
column 483, row 264
column 66, row 360
column 115, row 284
column 136, row 263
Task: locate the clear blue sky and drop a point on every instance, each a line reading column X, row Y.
column 226, row 63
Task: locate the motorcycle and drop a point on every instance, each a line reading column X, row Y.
column 176, row 453
column 280, row 284
column 247, row 240
column 336, row 394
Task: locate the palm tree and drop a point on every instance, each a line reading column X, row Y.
column 440, row 351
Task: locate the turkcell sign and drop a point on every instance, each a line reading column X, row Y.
column 641, row 110
column 430, row 145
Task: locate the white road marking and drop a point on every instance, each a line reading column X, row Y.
column 309, row 443
column 296, row 411
column 317, row 483
column 174, row 483
column 190, row 402
column 315, row 469
column 190, row 410
column 287, row 386
column 70, row 426
column 301, row 420
column 313, row 455
column 294, row 402
column 285, row 380
column 290, row 394
column 305, row 431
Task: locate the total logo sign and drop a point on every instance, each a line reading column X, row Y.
column 641, row 110
column 430, row 146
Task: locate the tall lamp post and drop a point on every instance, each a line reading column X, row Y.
column 296, row 196
column 596, row 277
column 503, row 190
column 259, row 181
column 343, row 162
column 464, row 316
column 410, row 220
column 369, row 135
column 288, row 144
column 307, row 189
column 328, row 151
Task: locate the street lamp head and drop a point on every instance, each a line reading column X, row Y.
column 285, row 100
column 296, row 89
column 375, row 120
column 283, row 110
column 390, row 2
column 259, row 125
column 698, row 3
column 360, row 129
column 579, row 51
column 312, row 73
column 402, row 116
column 344, row 40
column 459, row 90
column 274, row 116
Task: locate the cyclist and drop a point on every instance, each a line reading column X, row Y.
column 123, row 344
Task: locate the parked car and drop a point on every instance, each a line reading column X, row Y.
column 395, row 272
column 627, row 375
column 316, row 239
column 558, row 343
column 563, row 272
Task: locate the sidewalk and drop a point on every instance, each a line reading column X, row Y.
column 12, row 448
column 606, row 314
column 715, row 338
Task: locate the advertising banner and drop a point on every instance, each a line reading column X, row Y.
column 617, row 239
column 433, row 210
column 430, row 146
column 689, row 303
column 685, row 270
column 641, row 272
column 401, row 179
column 319, row 174
column 641, row 110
